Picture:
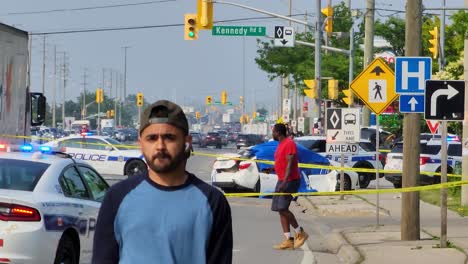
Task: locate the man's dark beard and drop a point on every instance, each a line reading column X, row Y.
column 174, row 162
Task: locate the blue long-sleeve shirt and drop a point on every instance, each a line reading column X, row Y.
column 143, row 222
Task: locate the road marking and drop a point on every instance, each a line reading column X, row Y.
column 309, row 257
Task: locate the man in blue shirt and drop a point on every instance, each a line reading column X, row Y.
column 166, row 215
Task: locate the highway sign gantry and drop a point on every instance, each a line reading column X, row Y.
column 375, row 86
column 444, row 100
column 411, row 74
column 284, row 36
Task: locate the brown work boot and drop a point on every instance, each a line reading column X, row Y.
column 300, row 238
column 286, row 244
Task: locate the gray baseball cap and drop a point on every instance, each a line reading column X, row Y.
column 164, row 112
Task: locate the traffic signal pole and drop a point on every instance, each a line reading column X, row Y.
column 410, row 221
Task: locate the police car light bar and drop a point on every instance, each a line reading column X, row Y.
column 26, row 148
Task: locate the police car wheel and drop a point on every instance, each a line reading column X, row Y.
column 135, row 166
column 364, row 180
column 66, row 251
column 347, row 183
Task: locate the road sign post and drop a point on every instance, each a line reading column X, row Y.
column 375, row 86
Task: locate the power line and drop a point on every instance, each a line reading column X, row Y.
column 84, row 8
column 143, row 27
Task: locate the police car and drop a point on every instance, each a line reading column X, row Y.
column 364, row 159
column 105, row 154
column 429, row 160
column 49, row 204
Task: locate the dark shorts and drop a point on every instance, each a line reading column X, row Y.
column 282, row 202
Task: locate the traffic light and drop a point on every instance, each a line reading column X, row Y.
column 348, row 99
column 197, row 115
column 254, row 115
column 223, row 97
column 191, row 31
column 312, row 91
column 328, row 12
column 209, row 100
column 205, row 14
column 112, row 113
column 99, row 95
column 332, row 89
column 434, row 40
column 241, row 100
column 139, row 100
column 108, row 114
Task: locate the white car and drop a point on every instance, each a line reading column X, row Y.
column 429, row 161
column 105, row 154
column 231, row 174
column 49, row 204
column 366, row 158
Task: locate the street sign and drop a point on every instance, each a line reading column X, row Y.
column 375, row 86
column 293, row 123
column 343, row 125
column 444, row 100
column 346, row 148
column 300, row 124
column 412, row 103
column 285, row 118
column 236, row 31
column 411, row 74
column 433, row 126
column 284, row 36
column 286, row 106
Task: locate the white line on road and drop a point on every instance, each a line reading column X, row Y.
column 309, row 257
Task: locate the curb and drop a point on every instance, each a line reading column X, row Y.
column 335, row 242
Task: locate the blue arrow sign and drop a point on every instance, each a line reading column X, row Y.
column 411, row 74
column 412, row 103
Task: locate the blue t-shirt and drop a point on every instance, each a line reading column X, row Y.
column 143, row 222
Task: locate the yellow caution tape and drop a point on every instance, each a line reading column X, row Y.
column 301, row 165
column 367, row 191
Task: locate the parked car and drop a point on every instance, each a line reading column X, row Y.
column 224, row 136
column 231, row 174
column 247, row 140
column 49, row 205
column 366, row 158
column 197, row 138
column 232, row 137
column 429, row 161
column 213, row 139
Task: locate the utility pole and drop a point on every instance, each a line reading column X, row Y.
column 464, row 188
column 43, row 62
column 83, row 111
column 410, row 223
column 54, row 88
column 125, row 73
column 442, row 38
column 64, row 79
column 318, row 58
column 368, row 51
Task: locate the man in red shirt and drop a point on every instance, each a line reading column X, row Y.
column 286, row 167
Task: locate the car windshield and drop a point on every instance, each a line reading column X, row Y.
column 117, row 144
column 454, row 150
column 430, row 149
column 367, row 146
column 20, row 175
column 398, row 148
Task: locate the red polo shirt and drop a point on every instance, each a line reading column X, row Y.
column 285, row 148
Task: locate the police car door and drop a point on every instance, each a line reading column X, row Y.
column 79, row 149
column 95, row 153
column 81, row 210
column 97, row 187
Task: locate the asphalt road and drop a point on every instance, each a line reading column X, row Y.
column 256, row 228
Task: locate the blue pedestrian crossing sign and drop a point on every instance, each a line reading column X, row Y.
column 412, row 103
column 411, row 74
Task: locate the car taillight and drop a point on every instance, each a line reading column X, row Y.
column 244, row 166
column 423, row 160
column 16, row 212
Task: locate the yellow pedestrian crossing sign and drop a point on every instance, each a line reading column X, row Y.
column 375, row 86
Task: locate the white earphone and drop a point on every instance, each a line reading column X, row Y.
column 187, row 146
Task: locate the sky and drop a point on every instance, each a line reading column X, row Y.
column 160, row 63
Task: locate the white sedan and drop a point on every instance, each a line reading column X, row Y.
column 231, row 174
column 105, row 154
column 49, row 204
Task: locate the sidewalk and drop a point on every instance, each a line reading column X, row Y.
column 350, row 230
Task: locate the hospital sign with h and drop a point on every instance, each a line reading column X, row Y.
column 411, row 74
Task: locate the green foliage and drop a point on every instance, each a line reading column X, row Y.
column 393, row 31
